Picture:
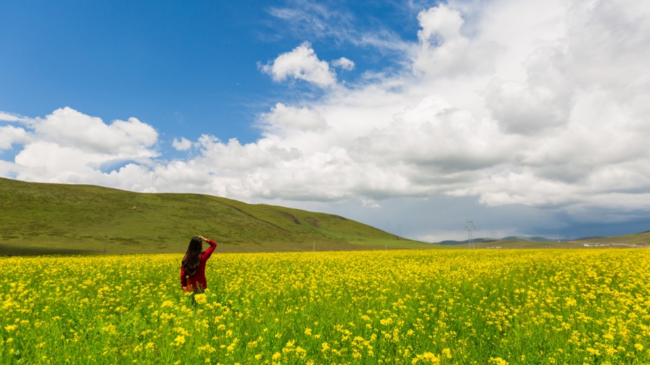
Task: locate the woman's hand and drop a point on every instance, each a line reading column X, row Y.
column 203, row 238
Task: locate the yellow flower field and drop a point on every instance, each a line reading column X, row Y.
column 395, row 307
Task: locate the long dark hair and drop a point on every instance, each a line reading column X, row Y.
column 192, row 258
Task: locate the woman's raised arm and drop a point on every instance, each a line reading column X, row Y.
column 213, row 245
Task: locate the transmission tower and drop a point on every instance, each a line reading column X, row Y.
column 469, row 226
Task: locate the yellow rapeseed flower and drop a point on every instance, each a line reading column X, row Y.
column 447, row 353
column 200, row 298
column 178, row 341
column 166, row 304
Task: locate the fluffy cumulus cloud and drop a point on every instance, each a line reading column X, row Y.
column 301, row 63
column 69, row 146
column 343, row 63
column 445, row 52
column 284, row 119
column 69, row 128
column 183, row 144
column 10, row 135
column 543, row 104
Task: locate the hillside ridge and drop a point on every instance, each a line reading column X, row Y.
column 43, row 218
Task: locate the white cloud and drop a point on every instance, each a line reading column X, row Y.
column 313, row 20
column 68, row 127
column 7, row 117
column 69, row 146
column 301, row 63
column 182, row 145
column 284, row 118
column 545, row 107
column 445, row 52
column 343, row 63
column 10, row 135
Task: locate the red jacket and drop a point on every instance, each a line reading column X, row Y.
column 197, row 281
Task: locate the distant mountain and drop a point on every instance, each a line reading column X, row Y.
column 590, row 238
column 636, row 239
column 642, row 238
column 533, row 239
column 452, row 242
column 509, row 238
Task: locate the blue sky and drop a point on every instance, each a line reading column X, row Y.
column 187, row 69
column 528, row 117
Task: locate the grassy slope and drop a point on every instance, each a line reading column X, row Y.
column 54, row 218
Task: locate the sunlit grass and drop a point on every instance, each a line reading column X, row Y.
column 39, row 218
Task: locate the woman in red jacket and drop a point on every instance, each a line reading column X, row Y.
column 193, row 265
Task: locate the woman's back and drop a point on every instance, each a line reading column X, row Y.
column 193, row 267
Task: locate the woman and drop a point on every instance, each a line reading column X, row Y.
column 193, row 265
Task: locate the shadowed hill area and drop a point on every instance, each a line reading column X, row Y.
column 39, row 218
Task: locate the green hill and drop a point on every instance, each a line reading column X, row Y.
column 38, row 218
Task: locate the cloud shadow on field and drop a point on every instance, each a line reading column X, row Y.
column 13, row 250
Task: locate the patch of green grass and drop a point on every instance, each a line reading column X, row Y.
column 42, row 218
